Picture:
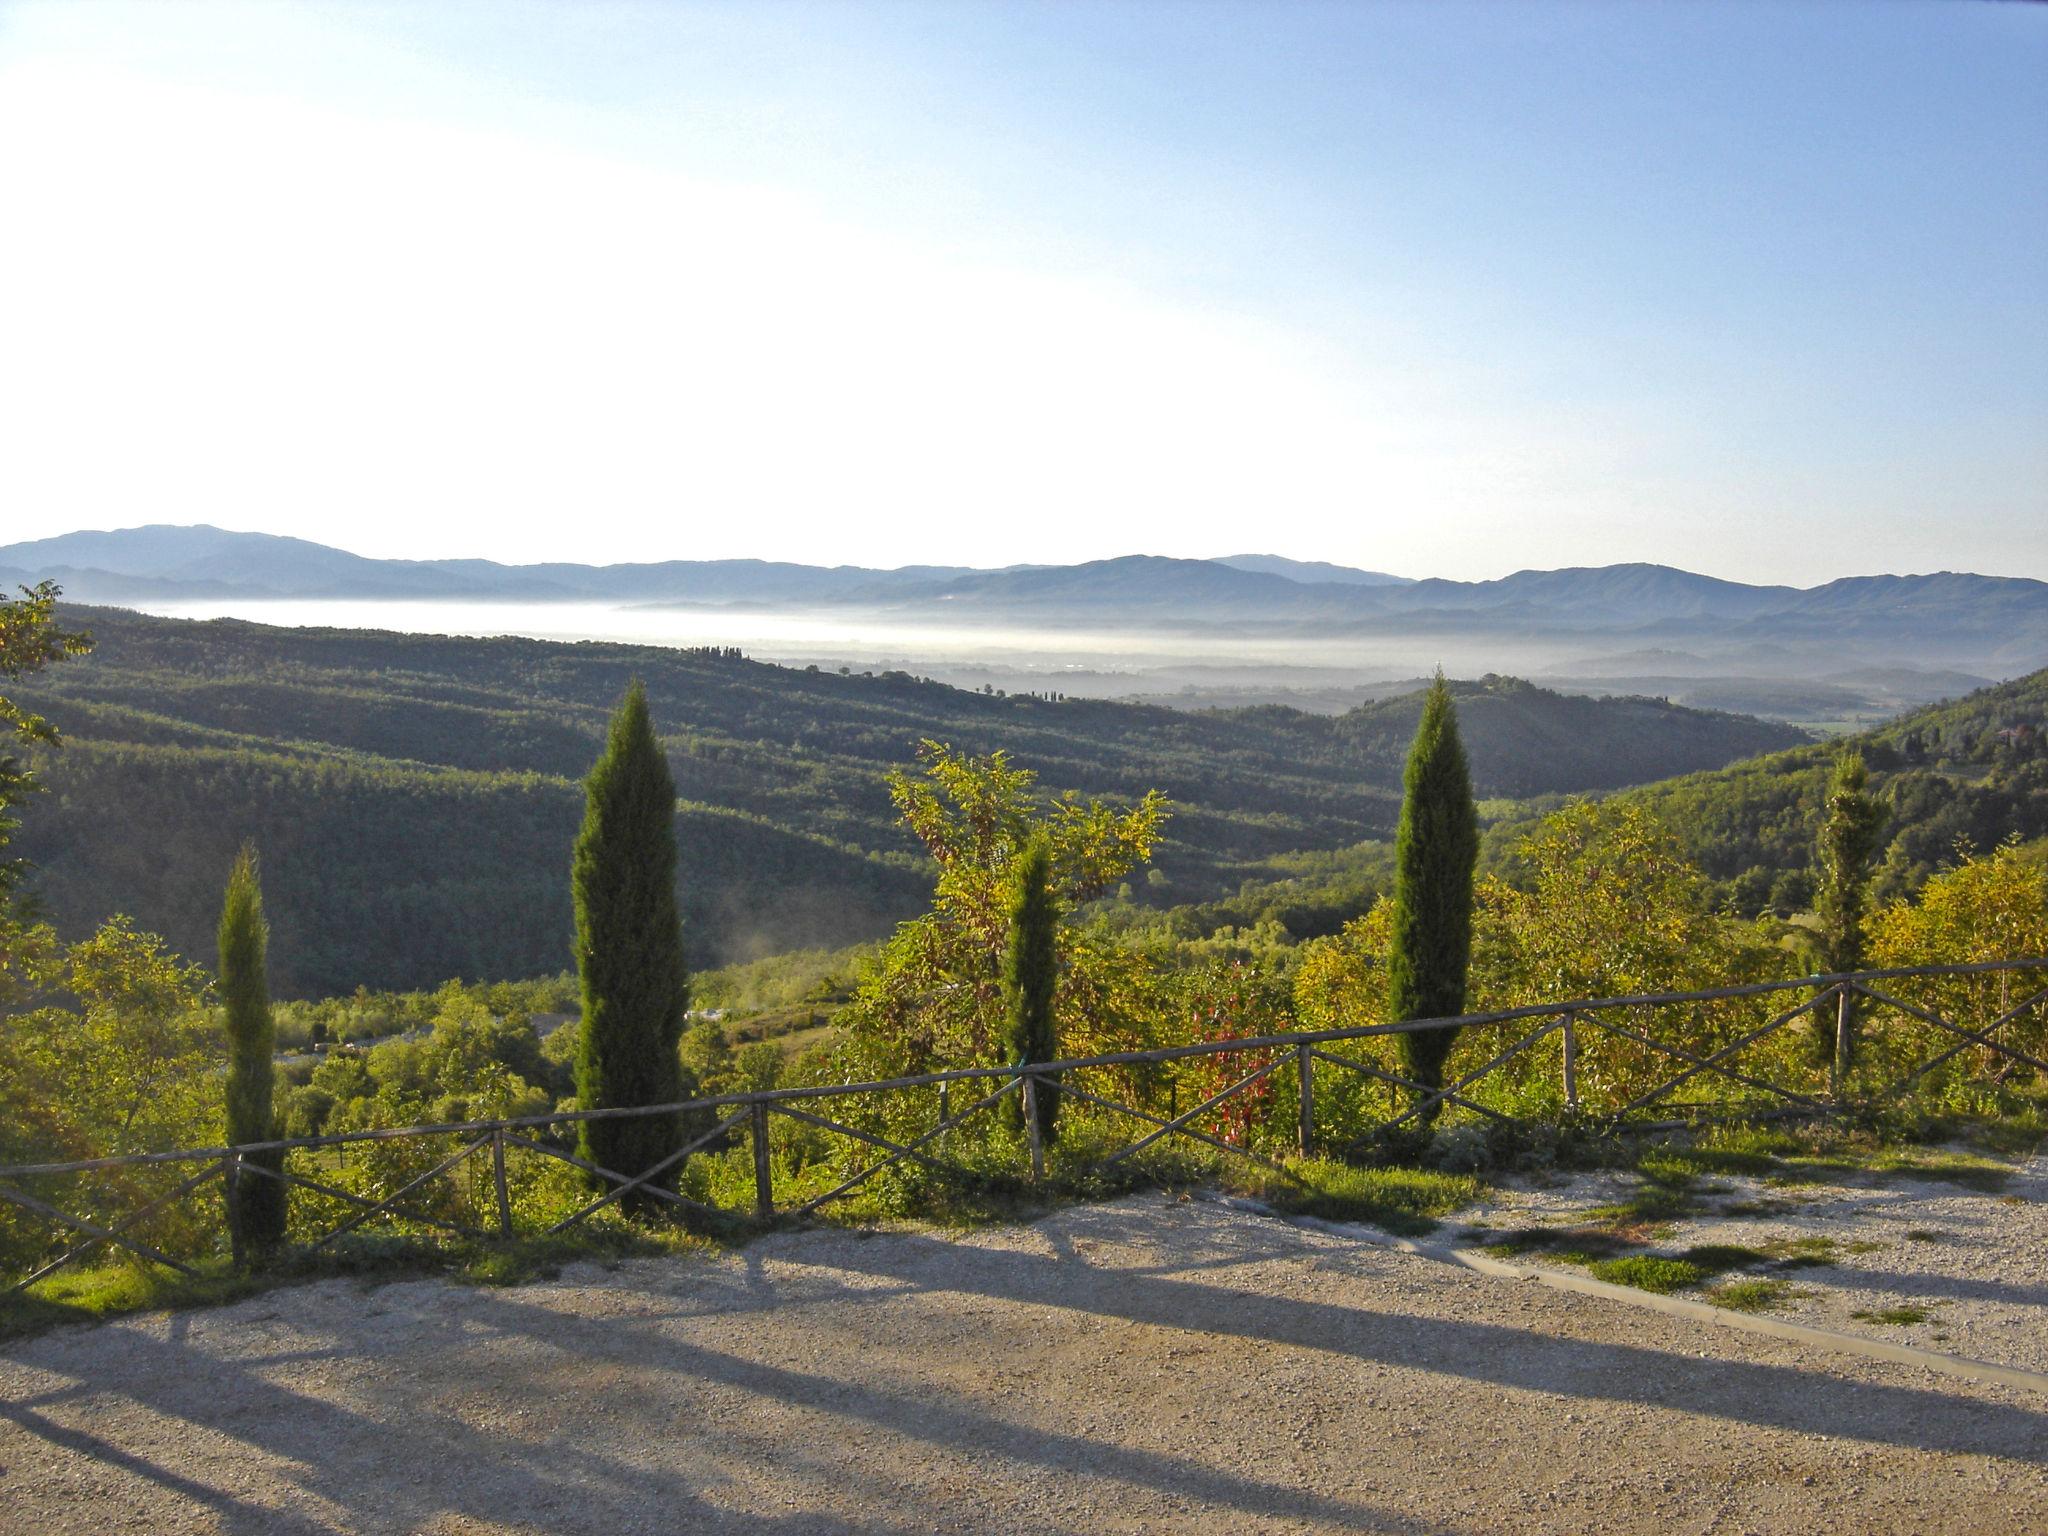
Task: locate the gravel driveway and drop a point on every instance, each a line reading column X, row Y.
column 1151, row 1365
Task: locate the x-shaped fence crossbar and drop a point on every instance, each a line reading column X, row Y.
column 1307, row 1052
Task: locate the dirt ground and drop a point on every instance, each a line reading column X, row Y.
column 1151, row 1365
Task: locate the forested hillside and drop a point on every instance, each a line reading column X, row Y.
column 415, row 796
column 1974, row 769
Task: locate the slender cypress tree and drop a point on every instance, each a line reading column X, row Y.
column 629, row 949
column 1030, row 971
column 257, row 1211
column 1851, row 833
column 1435, row 852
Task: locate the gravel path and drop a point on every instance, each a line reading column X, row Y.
column 1151, row 1365
column 1974, row 1262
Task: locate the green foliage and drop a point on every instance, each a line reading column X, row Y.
column 934, row 999
column 1894, row 1317
column 29, row 641
column 1607, row 906
column 1752, row 1295
column 1973, row 770
column 257, row 1213
column 1435, row 852
column 106, row 1049
column 1850, row 837
column 1406, row 1201
column 1645, row 1272
column 1988, row 907
column 629, row 948
column 1030, row 975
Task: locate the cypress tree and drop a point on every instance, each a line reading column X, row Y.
column 1850, row 835
column 257, row 1211
column 1435, row 852
column 629, row 949
column 1030, row 971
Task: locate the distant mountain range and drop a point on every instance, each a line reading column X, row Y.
column 1533, row 620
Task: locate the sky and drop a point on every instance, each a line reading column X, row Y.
column 1444, row 290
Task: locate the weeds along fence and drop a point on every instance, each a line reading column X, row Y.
column 1964, row 1039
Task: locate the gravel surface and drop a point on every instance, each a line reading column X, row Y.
column 1150, row 1365
column 1973, row 1261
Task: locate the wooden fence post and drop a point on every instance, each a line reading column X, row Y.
column 231, row 1185
column 764, row 1171
column 1031, row 1126
column 1305, row 1069
column 498, row 1178
column 1571, row 1064
column 1839, row 1069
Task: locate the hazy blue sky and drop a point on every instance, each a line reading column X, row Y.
column 1758, row 290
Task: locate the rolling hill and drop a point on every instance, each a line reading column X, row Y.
column 414, row 797
column 1972, row 770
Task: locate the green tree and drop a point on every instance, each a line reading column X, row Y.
column 1851, row 836
column 629, row 949
column 1988, row 907
column 257, row 1214
column 1030, row 974
column 29, row 641
column 934, row 997
column 1435, row 851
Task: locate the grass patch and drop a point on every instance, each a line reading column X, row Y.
column 1405, row 1201
column 1898, row 1317
column 1924, row 1235
column 1645, row 1272
column 1752, row 1295
column 85, row 1295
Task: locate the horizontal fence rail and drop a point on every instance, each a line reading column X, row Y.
column 1617, row 1061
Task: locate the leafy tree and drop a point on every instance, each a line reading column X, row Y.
column 1988, row 907
column 29, row 641
column 1030, row 975
column 257, row 1213
column 934, row 998
column 629, row 949
column 1435, row 852
column 105, row 1049
column 1606, row 905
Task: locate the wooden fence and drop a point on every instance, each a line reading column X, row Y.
column 1644, row 1062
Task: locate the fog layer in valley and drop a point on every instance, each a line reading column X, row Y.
column 1192, row 666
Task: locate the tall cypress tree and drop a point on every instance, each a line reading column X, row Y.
column 1851, row 833
column 629, row 949
column 1435, row 852
column 257, row 1211
column 1030, row 972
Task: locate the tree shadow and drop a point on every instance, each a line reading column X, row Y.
column 1766, row 1395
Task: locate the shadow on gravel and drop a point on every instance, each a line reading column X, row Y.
column 1770, row 1396
column 402, row 1472
column 405, row 1465
column 421, row 1433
